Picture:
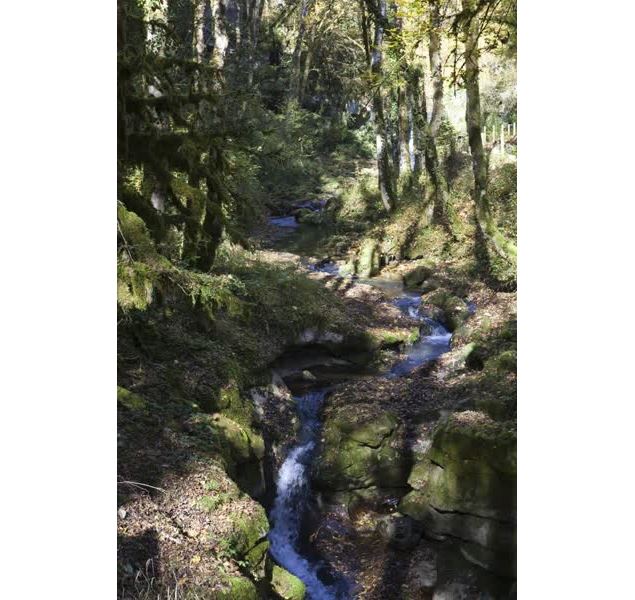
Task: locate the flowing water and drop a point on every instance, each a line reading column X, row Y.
column 293, row 495
column 293, row 489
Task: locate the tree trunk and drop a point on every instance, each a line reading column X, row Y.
column 436, row 68
column 381, row 153
column 212, row 230
column 404, row 133
column 417, row 122
column 192, row 230
column 296, row 73
column 484, row 217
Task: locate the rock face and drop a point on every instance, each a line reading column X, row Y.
column 360, row 451
column 464, row 486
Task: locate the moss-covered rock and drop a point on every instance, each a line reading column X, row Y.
column 131, row 400
column 502, row 363
column 387, row 338
column 310, row 217
column 247, row 538
column 360, row 451
column 454, row 310
column 464, row 486
column 286, row 585
column 240, row 447
column 368, row 263
column 417, row 275
column 238, row 588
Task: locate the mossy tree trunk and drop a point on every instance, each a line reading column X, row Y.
column 193, row 225
column 296, row 59
column 440, row 214
column 384, row 174
column 436, row 68
column 485, row 220
column 425, row 144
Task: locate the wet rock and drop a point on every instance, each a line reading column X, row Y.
column 400, row 532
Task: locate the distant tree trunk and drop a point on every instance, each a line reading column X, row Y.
column 436, row 68
column 192, row 230
column 404, row 133
column 304, row 73
column 473, row 120
column 199, row 29
column 296, row 73
column 212, row 229
column 381, row 153
column 220, row 33
column 416, row 120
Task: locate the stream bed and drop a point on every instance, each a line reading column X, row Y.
column 293, row 486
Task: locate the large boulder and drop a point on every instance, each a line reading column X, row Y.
column 464, row 486
column 360, row 450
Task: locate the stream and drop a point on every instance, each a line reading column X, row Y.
column 293, row 486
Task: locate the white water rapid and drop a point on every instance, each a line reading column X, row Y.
column 292, row 497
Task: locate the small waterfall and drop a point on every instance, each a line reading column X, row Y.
column 292, row 498
column 428, row 347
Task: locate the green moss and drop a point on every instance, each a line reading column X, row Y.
column 286, row 585
column 385, row 338
column 505, row 362
column 211, row 503
column 357, row 454
column 135, row 285
column 131, row 400
column 247, row 541
column 455, row 310
column 239, row 588
column 369, row 258
column 470, row 468
column 136, row 236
